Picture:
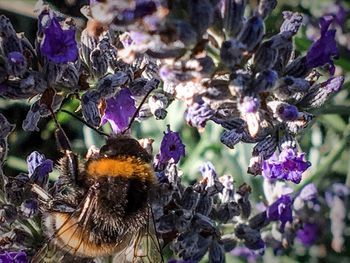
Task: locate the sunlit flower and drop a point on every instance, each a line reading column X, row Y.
column 171, row 147
column 120, row 109
column 59, row 45
column 39, row 168
column 289, row 165
column 198, row 114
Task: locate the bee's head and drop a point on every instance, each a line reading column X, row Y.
column 124, row 145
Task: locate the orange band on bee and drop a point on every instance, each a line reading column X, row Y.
column 126, row 167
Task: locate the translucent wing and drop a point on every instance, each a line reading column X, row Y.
column 72, row 227
column 146, row 246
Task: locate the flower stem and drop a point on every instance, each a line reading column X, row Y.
column 347, row 182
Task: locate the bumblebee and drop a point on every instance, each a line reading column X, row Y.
column 101, row 207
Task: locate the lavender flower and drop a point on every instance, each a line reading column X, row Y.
column 309, row 192
column 245, row 253
column 29, row 207
column 59, row 45
column 281, row 210
column 198, row 114
column 39, row 168
column 13, row 257
column 288, row 112
column 171, row 147
column 249, row 105
column 339, row 12
column 222, row 67
column 308, row 234
column 120, row 109
column 16, row 64
column 324, row 49
column 289, row 165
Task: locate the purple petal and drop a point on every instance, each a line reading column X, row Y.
column 281, row 210
column 120, row 109
column 333, row 84
column 171, row 147
column 308, row 234
column 59, row 45
column 324, row 49
column 325, row 22
column 289, row 166
column 13, row 257
column 39, row 168
column 34, row 160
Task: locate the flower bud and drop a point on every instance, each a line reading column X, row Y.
column 30, row 123
column 9, row 40
column 265, row 57
column 226, row 211
column 233, row 16
column 29, row 207
column 157, row 103
column 291, row 89
column 99, row 62
column 265, row 7
column 189, row 199
column 216, row 252
column 297, row 68
column 70, row 77
column 318, row 94
column 259, row 221
column 252, row 32
column 88, row 43
column 204, row 205
column 53, row 71
column 89, row 104
column 231, row 52
column 205, row 11
column 292, row 22
column 266, row 147
column 231, row 138
column 198, row 114
column 16, row 64
column 228, row 243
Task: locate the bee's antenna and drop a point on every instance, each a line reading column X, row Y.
column 85, row 122
column 152, row 87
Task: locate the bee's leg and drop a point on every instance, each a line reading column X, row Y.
column 69, row 164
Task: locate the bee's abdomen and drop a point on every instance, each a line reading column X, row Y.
column 79, row 240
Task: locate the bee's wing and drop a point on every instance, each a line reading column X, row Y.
column 146, row 247
column 47, row 254
column 50, row 252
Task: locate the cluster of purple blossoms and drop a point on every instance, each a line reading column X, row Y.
column 224, row 70
column 289, row 165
